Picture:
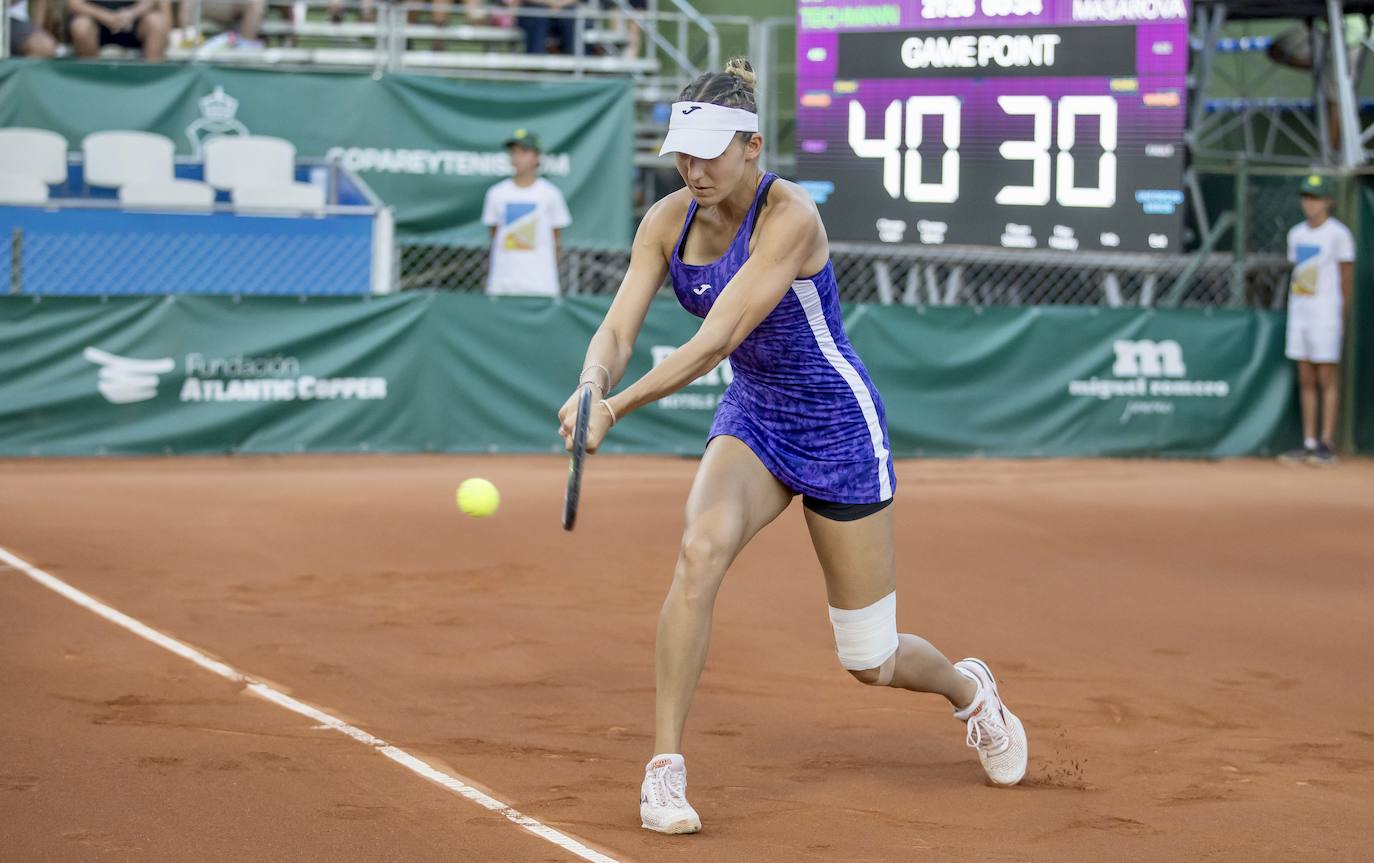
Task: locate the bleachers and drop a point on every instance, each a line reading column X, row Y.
column 678, row 43
column 305, row 36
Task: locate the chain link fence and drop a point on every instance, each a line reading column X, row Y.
column 922, row 275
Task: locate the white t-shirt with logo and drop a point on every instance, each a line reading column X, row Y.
column 1314, row 294
column 523, row 259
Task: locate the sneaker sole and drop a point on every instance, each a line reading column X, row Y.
column 676, row 827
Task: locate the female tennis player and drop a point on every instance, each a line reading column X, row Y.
column 747, row 252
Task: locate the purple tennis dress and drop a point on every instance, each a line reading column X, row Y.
column 801, row 398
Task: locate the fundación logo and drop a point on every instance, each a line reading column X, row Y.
column 1150, row 376
column 124, row 380
column 217, row 119
column 239, row 378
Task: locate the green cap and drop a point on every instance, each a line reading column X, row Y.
column 1316, row 186
column 525, row 138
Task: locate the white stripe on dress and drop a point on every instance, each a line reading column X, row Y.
column 810, row 299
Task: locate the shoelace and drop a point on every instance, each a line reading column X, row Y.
column 669, row 787
column 986, row 731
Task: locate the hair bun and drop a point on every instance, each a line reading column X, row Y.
column 739, row 67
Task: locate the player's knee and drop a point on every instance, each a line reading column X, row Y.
column 82, row 29
column 866, row 640
column 701, row 564
column 702, row 551
column 870, row 676
column 39, row 45
column 156, row 24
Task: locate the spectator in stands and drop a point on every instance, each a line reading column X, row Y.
column 473, row 13
column 335, row 10
column 633, row 34
column 241, row 20
column 139, row 24
column 538, row 27
column 27, row 36
column 527, row 215
column 1322, row 251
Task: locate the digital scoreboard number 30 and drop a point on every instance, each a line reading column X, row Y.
column 1001, row 123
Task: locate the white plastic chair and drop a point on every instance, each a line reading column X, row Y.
column 116, row 158
column 34, row 153
column 294, row 197
column 168, row 194
column 249, row 160
column 22, row 189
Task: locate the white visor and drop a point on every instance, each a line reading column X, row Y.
column 704, row 130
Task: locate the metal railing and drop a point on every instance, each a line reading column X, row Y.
column 382, row 44
column 935, row 276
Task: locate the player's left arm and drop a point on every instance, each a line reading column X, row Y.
column 560, row 218
column 1347, row 283
column 1345, row 259
column 756, row 290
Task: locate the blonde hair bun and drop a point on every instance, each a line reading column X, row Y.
column 739, row 67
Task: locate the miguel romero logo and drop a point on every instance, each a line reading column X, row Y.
column 1150, row 376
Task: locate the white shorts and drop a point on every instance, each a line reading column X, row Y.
column 1313, row 341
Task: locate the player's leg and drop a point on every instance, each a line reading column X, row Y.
column 1328, row 377
column 1307, row 391
column 860, row 581
column 154, row 29
column 732, row 498
column 858, row 560
column 1329, row 381
column 85, row 35
column 439, row 17
column 251, row 13
column 1307, row 399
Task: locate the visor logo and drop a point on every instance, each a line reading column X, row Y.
column 691, row 109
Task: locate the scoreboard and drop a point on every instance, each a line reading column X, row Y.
column 1016, row 123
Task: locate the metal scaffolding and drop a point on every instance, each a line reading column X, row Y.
column 1258, row 129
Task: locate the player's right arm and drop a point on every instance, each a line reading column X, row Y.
column 612, row 345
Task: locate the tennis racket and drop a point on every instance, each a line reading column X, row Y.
column 579, row 454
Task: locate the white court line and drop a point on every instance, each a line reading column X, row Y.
column 262, row 690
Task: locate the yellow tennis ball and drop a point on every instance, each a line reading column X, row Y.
column 478, row 497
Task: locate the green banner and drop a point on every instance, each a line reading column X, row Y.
column 428, row 146
column 420, row 372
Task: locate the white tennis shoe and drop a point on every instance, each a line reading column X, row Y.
column 663, row 805
column 993, row 730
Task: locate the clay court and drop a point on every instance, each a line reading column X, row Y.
column 1188, row 644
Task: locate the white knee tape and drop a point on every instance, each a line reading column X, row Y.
column 866, row 637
